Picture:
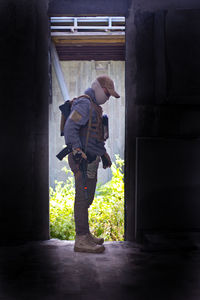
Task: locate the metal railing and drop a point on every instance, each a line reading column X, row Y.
column 76, row 23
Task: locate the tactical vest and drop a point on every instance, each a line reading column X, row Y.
column 92, row 129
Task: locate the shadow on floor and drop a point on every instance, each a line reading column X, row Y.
column 52, row 270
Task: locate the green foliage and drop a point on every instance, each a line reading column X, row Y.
column 62, row 224
column 106, row 214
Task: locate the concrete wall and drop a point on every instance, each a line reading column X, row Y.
column 163, row 116
column 88, row 7
column 78, row 76
column 24, row 120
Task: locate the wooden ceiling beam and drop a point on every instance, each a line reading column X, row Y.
column 87, row 39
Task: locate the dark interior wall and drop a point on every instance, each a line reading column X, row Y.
column 168, row 184
column 88, row 7
column 153, row 5
column 24, row 120
column 164, row 115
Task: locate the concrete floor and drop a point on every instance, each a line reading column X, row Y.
column 51, row 270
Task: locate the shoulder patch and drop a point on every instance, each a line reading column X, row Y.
column 75, row 116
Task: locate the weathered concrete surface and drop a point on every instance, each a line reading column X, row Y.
column 51, row 270
column 88, row 7
column 162, row 94
column 78, row 77
column 24, row 119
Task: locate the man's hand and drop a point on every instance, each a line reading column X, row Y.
column 107, row 163
column 78, row 154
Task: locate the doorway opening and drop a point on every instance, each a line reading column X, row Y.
column 82, row 49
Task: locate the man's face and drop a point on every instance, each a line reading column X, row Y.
column 106, row 92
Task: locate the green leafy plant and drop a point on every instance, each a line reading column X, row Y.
column 62, row 224
column 106, row 214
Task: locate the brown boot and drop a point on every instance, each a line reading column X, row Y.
column 84, row 243
column 98, row 241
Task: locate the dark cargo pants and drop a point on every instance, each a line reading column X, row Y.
column 81, row 205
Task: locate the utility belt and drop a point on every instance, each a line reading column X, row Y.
column 88, row 169
column 91, row 157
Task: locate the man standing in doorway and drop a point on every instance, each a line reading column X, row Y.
column 84, row 131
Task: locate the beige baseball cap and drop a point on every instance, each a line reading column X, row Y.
column 107, row 82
